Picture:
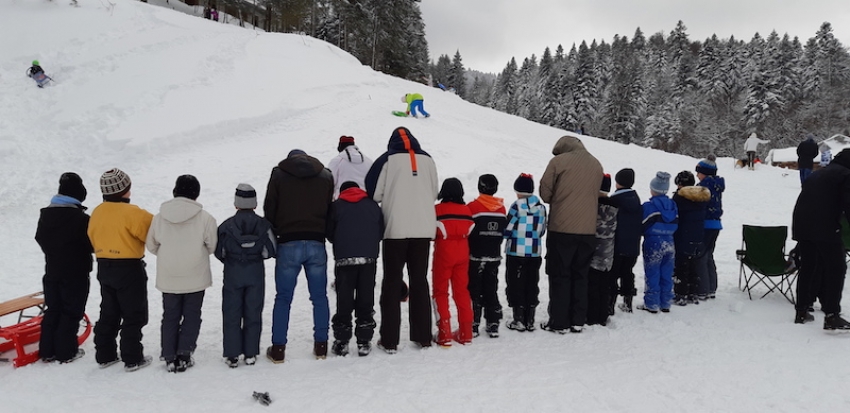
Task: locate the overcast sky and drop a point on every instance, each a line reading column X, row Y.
column 489, row 32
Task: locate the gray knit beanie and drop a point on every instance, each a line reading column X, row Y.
column 246, row 197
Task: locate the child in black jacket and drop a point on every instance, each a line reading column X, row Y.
column 355, row 228
column 626, row 239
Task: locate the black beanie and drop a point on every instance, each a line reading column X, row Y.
column 488, row 184
column 187, row 186
column 685, row 178
column 347, row 185
column 625, row 177
column 524, row 184
column 70, row 184
column 451, row 191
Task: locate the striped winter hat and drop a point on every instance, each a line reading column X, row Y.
column 707, row 166
column 114, row 182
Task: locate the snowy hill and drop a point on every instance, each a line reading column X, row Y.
column 160, row 93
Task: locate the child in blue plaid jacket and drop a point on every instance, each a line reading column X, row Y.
column 524, row 232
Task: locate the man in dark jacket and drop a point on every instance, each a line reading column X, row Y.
column 355, row 227
column 817, row 228
column 692, row 202
column 61, row 234
column 626, row 239
column 298, row 197
column 806, row 152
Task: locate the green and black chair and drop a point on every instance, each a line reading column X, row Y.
column 763, row 261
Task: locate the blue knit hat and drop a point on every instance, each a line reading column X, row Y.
column 707, row 166
column 661, row 183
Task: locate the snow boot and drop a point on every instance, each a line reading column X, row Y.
column 444, row 333
column 144, row 362
column 518, row 323
column 183, row 362
column 232, row 362
column 529, row 318
column 492, row 330
column 680, row 300
column 835, row 322
column 340, row 348
column 803, row 317
column 463, row 334
column 80, row 353
column 276, row 353
column 476, row 319
column 320, row 349
column 647, row 309
column 626, row 306
column 250, row 361
column 363, row 349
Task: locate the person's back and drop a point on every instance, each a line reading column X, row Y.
column 244, row 241
column 118, row 231
column 660, row 221
column 691, row 203
column 404, row 181
column 182, row 236
column 298, row 196
column 61, row 234
column 350, row 165
column 570, row 185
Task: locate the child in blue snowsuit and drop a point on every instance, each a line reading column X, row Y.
column 244, row 241
column 660, row 220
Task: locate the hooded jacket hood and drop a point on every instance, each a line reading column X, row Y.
column 695, row 193
column 403, row 141
column 179, row 210
column 666, row 207
column 567, row 144
column 353, row 154
column 301, row 166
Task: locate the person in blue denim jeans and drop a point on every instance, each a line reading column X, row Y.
column 298, row 196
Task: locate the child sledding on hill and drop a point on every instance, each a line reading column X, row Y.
column 37, row 73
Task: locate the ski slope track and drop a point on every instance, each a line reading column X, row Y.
column 159, row 93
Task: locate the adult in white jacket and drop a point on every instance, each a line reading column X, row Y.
column 751, row 146
column 404, row 181
column 349, row 165
column 182, row 236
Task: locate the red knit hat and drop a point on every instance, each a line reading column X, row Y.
column 346, row 139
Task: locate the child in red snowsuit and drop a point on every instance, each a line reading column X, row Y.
column 451, row 264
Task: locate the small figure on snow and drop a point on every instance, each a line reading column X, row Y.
column 414, row 101
column 214, row 13
column 691, row 202
column 35, row 69
column 751, row 145
column 626, row 239
column 807, row 150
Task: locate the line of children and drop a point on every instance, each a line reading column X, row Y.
column 466, row 259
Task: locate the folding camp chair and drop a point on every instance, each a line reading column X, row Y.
column 763, row 255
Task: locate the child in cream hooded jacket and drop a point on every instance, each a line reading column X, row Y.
column 182, row 236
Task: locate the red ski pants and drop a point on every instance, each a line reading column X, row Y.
column 454, row 271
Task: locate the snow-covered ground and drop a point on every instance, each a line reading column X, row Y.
column 160, row 93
